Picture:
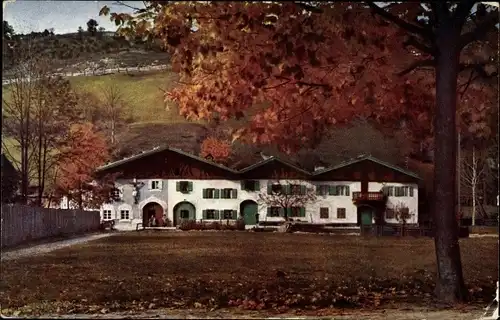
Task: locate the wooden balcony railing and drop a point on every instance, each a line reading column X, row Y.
column 377, row 196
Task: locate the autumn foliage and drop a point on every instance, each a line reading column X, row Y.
column 84, row 151
column 219, row 150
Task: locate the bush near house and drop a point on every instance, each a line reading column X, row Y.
column 187, row 225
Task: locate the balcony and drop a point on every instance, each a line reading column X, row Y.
column 367, row 196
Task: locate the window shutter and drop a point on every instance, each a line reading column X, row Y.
column 178, row 186
column 204, row 193
column 161, row 184
column 302, row 190
column 234, row 213
column 190, row 186
column 384, row 191
column 150, row 184
column 347, row 191
column 302, row 211
column 204, row 212
column 257, row 185
column 217, row 213
column 411, row 191
column 269, row 188
column 289, row 212
column 268, row 211
column 243, row 185
column 216, row 193
column 234, row 193
column 331, row 190
column 318, row 190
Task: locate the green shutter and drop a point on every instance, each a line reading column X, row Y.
column 268, row 211
column 257, row 185
column 178, row 186
column 288, row 189
column 318, row 190
column 282, row 212
column 216, row 193
column 204, row 193
column 234, row 214
column 331, row 190
column 302, row 190
column 190, row 186
column 411, row 191
column 204, row 212
column 234, row 193
column 289, row 212
column 347, row 190
column 269, row 188
column 217, row 214
column 243, row 185
column 302, row 212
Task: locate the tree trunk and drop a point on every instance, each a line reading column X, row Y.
column 450, row 285
column 473, row 185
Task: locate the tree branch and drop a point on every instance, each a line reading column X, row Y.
column 400, row 22
column 463, row 10
column 412, row 41
column 488, row 23
column 417, row 64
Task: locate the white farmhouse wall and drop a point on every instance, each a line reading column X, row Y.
column 410, row 202
column 168, row 197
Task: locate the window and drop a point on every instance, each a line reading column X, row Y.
column 155, row 185
column 339, row 190
column 211, row 193
column 274, row 211
column 228, row 193
column 402, row 191
column 295, row 189
column 229, row 214
column 388, row 191
column 211, row 214
column 250, row 185
column 341, row 213
column 106, row 214
column 117, row 194
column 184, row 214
column 323, row 213
column 276, row 188
column 184, row 186
column 322, row 190
column 389, row 213
column 124, row 214
column 297, row 212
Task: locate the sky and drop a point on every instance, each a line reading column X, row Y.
column 64, row 16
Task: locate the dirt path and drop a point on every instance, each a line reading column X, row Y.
column 396, row 314
column 48, row 247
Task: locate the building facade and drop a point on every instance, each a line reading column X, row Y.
column 174, row 186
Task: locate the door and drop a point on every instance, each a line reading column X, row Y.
column 250, row 213
column 366, row 216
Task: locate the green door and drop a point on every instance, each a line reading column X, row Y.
column 366, row 216
column 250, row 213
column 184, row 211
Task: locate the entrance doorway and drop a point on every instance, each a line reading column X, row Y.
column 184, row 211
column 249, row 212
column 154, row 210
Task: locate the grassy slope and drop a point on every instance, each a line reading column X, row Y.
column 142, row 92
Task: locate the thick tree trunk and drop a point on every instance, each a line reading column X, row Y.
column 450, row 285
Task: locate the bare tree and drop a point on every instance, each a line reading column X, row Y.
column 288, row 197
column 113, row 109
column 18, row 112
column 402, row 214
column 473, row 167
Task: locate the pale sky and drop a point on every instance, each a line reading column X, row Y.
column 64, row 16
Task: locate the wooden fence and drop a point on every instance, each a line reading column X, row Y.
column 21, row 223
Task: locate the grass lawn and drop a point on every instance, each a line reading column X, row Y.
column 149, row 270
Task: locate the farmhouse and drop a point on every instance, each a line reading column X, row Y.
column 171, row 184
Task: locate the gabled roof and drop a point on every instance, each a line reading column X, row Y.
column 158, row 150
column 367, row 157
column 271, row 159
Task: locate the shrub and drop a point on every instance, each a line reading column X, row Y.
column 213, row 226
column 167, row 223
column 189, row 225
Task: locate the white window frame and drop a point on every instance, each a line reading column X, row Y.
column 127, row 213
column 152, row 183
column 107, row 214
